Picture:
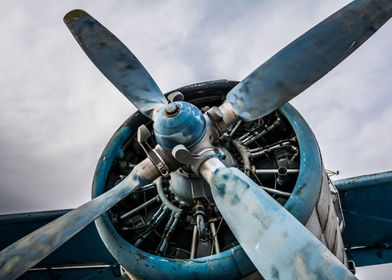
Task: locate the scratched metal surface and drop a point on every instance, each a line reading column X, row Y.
column 262, row 226
column 115, row 61
column 308, row 58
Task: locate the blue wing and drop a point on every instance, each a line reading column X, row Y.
column 84, row 256
column 367, row 209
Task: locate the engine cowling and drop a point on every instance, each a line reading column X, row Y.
column 156, row 232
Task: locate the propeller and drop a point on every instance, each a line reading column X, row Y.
column 308, row 58
column 277, row 243
column 116, row 62
column 28, row 251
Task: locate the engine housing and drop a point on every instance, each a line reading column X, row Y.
column 281, row 141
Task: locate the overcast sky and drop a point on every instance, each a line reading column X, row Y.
column 57, row 111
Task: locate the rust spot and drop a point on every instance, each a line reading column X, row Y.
column 141, row 256
column 300, row 189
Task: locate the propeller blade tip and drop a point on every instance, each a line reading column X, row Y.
column 74, row 15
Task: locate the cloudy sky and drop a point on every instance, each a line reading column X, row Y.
column 57, row 111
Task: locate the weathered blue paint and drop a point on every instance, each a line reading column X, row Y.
column 366, row 202
column 103, row 273
column 111, row 153
column 276, row 242
column 308, row 58
column 228, row 264
column 281, row 78
column 364, row 256
column 307, row 188
column 186, row 127
column 86, row 247
column 116, row 62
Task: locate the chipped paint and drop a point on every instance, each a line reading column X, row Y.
column 307, row 188
column 263, row 226
column 116, row 62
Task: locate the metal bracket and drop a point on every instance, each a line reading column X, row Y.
column 143, row 135
column 175, row 96
column 184, row 156
column 216, row 116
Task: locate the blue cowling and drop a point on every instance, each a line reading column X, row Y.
column 228, row 264
column 179, row 123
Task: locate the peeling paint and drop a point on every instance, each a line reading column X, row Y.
column 116, row 62
column 262, row 226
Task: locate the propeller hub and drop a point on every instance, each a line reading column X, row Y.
column 179, row 123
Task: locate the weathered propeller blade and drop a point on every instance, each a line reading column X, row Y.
column 17, row 258
column 277, row 243
column 300, row 64
column 115, row 61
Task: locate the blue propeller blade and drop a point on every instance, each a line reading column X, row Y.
column 277, row 243
column 17, row 258
column 300, row 64
column 116, row 62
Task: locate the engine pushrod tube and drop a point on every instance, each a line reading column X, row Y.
column 215, row 240
column 235, row 128
column 264, row 151
column 258, row 135
column 167, row 227
column 194, row 242
column 278, row 143
column 152, row 227
column 140, row 207
column 169, row 234
column 275, row 191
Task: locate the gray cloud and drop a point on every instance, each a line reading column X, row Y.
column 57, row 111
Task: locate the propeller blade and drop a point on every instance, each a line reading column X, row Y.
column 17, row 258
column 308, row 58
column 277, row 243
column 116, row 62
